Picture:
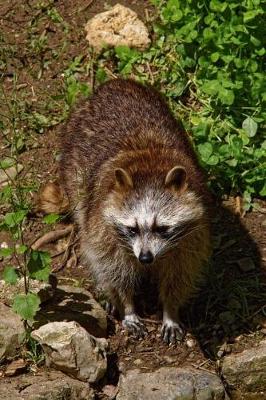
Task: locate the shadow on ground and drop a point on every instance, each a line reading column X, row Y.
column 234, row 293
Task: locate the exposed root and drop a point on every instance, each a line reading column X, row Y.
column 52, row 236
column 72, row 261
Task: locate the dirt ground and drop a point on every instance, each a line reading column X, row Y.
column 229, row 312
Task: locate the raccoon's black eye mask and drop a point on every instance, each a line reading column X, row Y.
column 163, row 231
column 127, row 231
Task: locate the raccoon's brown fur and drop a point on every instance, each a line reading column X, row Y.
column 126, row 126
column 52, row 199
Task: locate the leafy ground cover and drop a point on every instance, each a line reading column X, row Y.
column 207, row 59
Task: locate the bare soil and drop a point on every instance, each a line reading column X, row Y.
column 228, row 310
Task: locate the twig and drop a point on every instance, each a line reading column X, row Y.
column 52, row 236
column 84, row 8
column 59, row 253
column 66, row 255
column 152, row 321
column 238, row 207
column 110, row 73
column 150, row 72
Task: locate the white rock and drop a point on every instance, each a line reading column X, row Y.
column 70, row 348
column 11, row 332
column 74, row 304
column 170, row 383
column 245, row 372
column 118, row 26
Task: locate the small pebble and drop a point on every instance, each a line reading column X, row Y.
column 190, row 343
column 138, row 361
column 168, row 359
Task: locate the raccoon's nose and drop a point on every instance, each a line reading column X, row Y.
column 146, row 257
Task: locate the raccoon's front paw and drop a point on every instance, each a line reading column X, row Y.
column 132, row 323
column 171, row 332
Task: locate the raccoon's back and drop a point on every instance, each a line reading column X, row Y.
column 117, row 117
column 121, row 116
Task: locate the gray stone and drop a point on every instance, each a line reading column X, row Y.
column 44, row 290
column 9, row 174
column 118, row 26
column 48, row 385
column 11, row 332
column 170, row 383
column 245, row 372
column 74, row 304
column 70, row 348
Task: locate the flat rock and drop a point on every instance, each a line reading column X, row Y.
column 9, row 174
column 11, row 332
column 70, row 348
column 74, row 304
column 170, row 383
column 118, row 26
column 48, row 385
column 44, row 290
column 245, row 372
column 16, row 367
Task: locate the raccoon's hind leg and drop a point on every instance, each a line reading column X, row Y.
column 114, row 306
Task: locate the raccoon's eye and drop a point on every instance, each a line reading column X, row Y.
column 133, row 230
column 163, row 231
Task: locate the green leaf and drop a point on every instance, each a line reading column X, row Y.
column 6, row 252
column 215, row 56
column 263, row 191
column 40, row 119
column 208, row 34
column 177, row 15
column 39, row 265
column 250, row 126
column 21, row 249
column 101, row 75
column 249, row 15
column 7, row 163
column 211, row 87
column 26, row 305
column 14, row 218
column 226, row 96
column 213, row 160
column 205, row 150
column 51, row 218
column 10, row 275
column 125, row 53
column 218, row 6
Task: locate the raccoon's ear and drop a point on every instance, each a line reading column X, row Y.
column 176, row 178
column 123, row 179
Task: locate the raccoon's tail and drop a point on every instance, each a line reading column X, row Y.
column 52, row 199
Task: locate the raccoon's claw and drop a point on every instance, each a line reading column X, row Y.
column 171, row 332
column 110, row 308
column 134, row 325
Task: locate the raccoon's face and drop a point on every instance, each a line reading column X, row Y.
column 151, row 223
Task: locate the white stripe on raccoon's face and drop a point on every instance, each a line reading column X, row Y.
column 162, row 210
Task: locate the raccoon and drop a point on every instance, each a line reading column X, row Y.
column 139, row 198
